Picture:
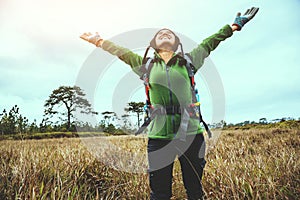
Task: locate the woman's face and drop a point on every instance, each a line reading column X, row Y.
column 165, row 40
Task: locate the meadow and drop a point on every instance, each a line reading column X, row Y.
column 243, row 164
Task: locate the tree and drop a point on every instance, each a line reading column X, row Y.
column 263, row 120
column 33, row 128
column 136, row 107
column 108, row 117
column 13, row 122
column 127, row 124
column 71, row 98
column 223, row 123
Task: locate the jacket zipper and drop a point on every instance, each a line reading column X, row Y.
column 171, row 96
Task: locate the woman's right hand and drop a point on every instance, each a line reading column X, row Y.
column 92, row 38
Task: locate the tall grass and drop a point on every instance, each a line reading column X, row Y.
column 249, row 164
column 255, row 164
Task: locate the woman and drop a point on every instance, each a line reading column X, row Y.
column 170, row 88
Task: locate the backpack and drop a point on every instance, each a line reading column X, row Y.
column 192, row 111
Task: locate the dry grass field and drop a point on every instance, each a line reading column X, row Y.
column 244, row 164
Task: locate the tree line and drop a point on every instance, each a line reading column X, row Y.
column 60, row 115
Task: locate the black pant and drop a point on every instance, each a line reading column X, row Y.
column 161, row 156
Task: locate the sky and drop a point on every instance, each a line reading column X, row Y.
column 259, row 66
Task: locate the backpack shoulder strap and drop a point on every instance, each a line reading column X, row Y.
column 190, row 68
column 148, row 62
column 146, row 68
column 189, row 65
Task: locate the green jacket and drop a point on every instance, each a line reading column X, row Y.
column 169, row 82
